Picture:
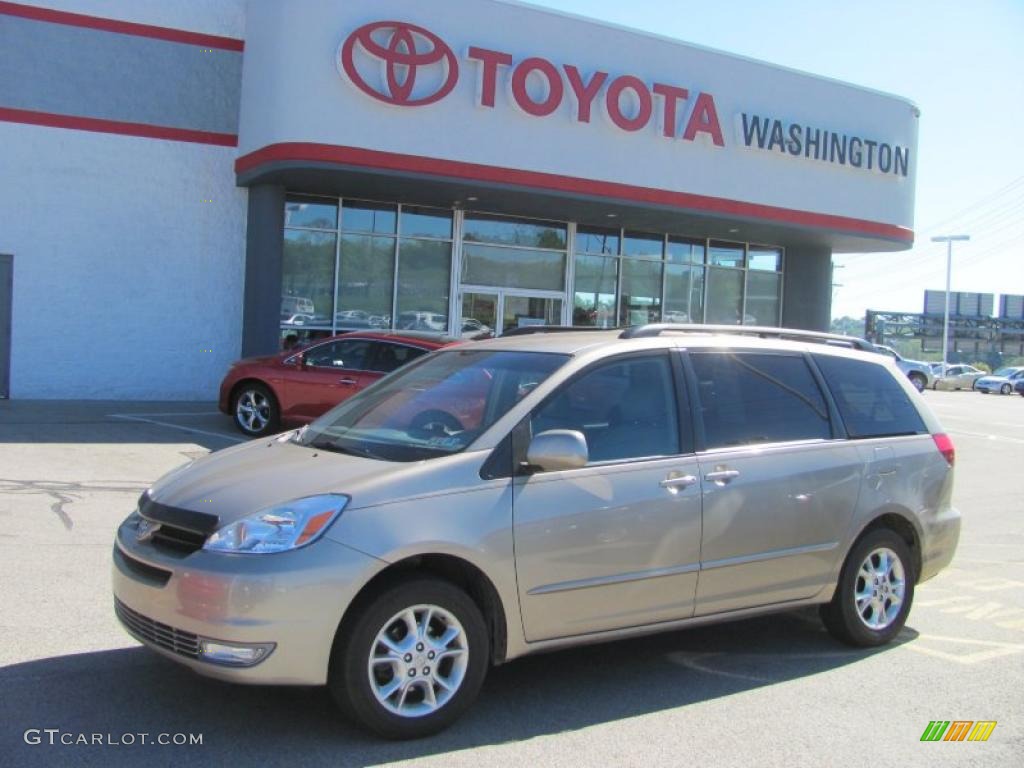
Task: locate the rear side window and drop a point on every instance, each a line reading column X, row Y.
column 870, row 401
column 750, row 398
column 387, row 357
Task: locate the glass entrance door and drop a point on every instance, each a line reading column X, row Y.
column 495, row 312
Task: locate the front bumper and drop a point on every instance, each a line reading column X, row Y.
column 293, row 600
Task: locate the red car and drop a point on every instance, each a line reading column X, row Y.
column 264, row 394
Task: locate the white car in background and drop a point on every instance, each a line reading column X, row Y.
column 1001, row 381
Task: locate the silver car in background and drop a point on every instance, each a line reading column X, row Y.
column 539, row 491
column 1000, row 381
column 957, row 377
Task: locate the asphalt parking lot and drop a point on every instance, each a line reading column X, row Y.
column 769, row 691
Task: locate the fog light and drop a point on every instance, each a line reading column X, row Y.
column 217, row 652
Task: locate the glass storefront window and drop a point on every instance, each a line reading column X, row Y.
column 307, row 279
column 483, row 228
column 764, row 258
column 641, row 292
column 594, row 291
column 725, row 296
column 684, row 294
column 643, row 246
column 314, row 213
column 684, row 251
column 424, row 269
column 365, row 282
column 513, row 267
column 425, row 222
column 595, row 240
column 522, row 311
column 763, row 290
column 359, row 216
column 726, row 254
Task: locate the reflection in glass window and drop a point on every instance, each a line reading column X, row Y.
column 684, row 294
column 753, row 398
column 311, row 212
column 684, row 251
column 725, row 254
column 513, row 267
column 359, row 216
column 424, row 272
column 764, row 258
column 641, row 292
column 350, row 355
column 763, row 298
column 725, row 296
column 643, row 246
column 625, row 410
column 307, row 279
column 483, row 228
column 595, row 240
column 425, row 222
column 594, row 291
column 365, row 282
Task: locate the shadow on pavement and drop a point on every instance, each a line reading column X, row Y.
column 135, row 691
column 116, row 422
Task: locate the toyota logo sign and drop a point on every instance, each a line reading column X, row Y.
column 404, row 54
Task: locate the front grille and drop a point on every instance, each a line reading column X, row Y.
column 154, row 632
column 177, row 540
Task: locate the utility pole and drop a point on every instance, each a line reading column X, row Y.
column 948, row 240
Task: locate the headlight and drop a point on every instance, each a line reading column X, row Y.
column 280, row 528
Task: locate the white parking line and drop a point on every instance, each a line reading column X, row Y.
column 134, row 417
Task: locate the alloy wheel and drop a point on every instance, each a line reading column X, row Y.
column 881, row 588
column 253, row 410
column 418, row 660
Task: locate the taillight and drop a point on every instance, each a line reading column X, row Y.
column 945, row 446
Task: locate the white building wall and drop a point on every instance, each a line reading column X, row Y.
column 127, row 283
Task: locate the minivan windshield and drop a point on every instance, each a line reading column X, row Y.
column 433, row 407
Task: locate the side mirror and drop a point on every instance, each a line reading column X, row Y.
column 558, row 449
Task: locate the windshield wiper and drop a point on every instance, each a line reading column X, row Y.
column 335, row 446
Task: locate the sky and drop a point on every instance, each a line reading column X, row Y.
column 960, row 61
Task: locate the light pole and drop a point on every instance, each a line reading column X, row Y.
column 948, row 240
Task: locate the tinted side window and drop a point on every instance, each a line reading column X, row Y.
column 386, row 357
column 626, row 409
column 350, row 355
column 748, row 398
column 870, row 401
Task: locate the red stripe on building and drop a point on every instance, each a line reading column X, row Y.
column 121, row 27
column 144, row 130
column 390, row 161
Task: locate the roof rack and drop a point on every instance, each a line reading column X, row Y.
column 526, row 330
column 763, row 332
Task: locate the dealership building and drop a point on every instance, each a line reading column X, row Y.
column 185, row 183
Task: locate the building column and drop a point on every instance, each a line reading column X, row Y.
column 807, row 288
column 264, row 252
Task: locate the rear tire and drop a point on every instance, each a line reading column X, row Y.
column 411, row 660
column 875, row 591
column 1005, row 389
column 255, row 411
column 918, row 381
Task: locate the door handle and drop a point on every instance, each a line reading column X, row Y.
column 675, row 483
column 722, row 476
column 347, row 380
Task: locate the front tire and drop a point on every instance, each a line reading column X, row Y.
column 411, row 661
column 875, row 591
column 255, row 411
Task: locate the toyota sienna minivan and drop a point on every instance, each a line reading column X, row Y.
column 538, row 491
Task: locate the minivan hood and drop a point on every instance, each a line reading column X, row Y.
column 244, row 479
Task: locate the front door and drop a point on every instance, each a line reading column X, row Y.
column 498, row 311
column 331, row 372
column 615, row 543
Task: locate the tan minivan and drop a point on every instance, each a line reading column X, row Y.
column 538, row 491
